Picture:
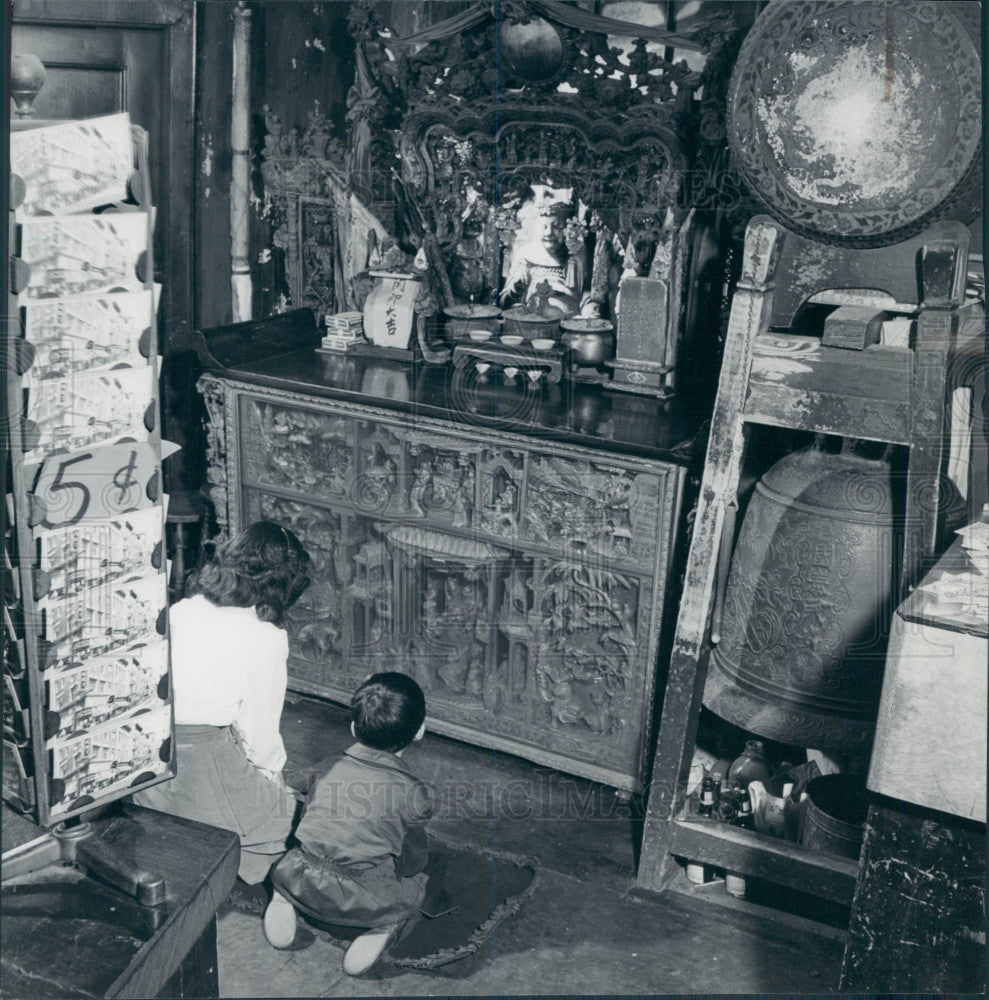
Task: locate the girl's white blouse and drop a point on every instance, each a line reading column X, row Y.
column 229, row 668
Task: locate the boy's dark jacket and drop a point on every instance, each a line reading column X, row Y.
column 362, row 841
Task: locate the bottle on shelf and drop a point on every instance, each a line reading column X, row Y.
column 728, row 800
column 750, row 765
column 706, row 805
column 742, row 804
column 744, row 816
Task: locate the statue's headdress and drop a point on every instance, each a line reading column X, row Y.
column 550, row 201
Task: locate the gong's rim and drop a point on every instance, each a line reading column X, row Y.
column 795, row 68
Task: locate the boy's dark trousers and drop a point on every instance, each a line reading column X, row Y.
column 416, row 858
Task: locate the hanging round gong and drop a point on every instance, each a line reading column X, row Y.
column 859, row 123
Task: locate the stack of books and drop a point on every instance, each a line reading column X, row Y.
column 343, row 330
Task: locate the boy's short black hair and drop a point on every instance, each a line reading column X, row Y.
column 388, row 709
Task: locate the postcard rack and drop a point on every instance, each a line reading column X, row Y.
column 87, row 713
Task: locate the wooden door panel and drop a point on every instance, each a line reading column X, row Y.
column 100, row 72
column 79, row 92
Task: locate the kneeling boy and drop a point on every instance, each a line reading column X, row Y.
column 362, row 841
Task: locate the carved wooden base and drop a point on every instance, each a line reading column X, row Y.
column 551, row 363
column 627, row 376
column 521, row 583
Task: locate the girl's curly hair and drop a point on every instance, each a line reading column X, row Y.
column 264, row 567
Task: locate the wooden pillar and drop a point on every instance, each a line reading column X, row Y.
column 240, row 181
column 751, row 308
column 943, row 268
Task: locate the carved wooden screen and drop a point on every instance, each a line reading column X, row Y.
column 453, row 127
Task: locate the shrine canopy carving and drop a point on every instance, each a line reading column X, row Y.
column 478, row 190
column 518, row 110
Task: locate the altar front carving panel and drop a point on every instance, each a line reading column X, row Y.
column 521, row 582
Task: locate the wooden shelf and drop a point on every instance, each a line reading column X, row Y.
column 772, row 376
column 796, row 382
column 749, row 853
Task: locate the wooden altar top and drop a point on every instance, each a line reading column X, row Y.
column 280, row 352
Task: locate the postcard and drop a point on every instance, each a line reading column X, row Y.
column 73, row 166
column 87, row 408
column 107, row 688
column 119, row 755
column 83, row 254
column 94, row 553
column 102, row 620
column 88, row 334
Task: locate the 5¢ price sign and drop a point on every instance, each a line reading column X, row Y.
column 91, row 485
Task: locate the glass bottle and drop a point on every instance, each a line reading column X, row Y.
column 750, row 765
column 744, row 817
column 706, row 805
column 735, row 881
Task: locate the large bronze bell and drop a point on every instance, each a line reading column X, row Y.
column 807, row 606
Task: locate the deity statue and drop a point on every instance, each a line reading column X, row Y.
column 469, row 276
column 548, row 266
column 419, row 489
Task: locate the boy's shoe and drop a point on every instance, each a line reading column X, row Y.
column 279, row 922
column 365, row 951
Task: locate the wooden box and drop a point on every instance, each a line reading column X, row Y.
column 930, row 744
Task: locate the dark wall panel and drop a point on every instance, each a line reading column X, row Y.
column 302, row 63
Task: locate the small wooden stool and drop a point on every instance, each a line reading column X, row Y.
column 185, row 507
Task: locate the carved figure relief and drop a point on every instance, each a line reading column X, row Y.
column 450, row 644
column 588, row 507
column 443, row 483
column 380, row 463
column 300, row 449
column 214, row 398
column 501, row 492
column 372, row 592
column 506, row 579
column 317, row 254
column 514, row 613
column 586, row 656
column 305, row 198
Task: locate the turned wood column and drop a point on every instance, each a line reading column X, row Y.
column 240, row 181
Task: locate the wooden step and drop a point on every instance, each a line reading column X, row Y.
column 735, row 849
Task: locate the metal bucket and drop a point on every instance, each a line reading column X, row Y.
column 834, row 815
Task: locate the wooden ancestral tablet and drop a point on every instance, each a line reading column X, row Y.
column 640, row 362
